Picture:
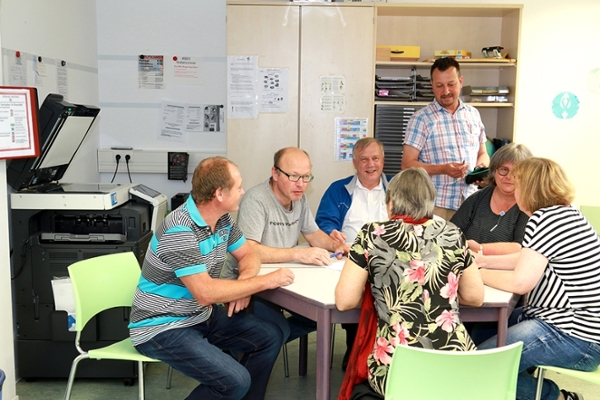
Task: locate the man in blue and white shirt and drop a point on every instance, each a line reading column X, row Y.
column 176, row 314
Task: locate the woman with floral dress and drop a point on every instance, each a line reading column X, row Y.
column 419, row 269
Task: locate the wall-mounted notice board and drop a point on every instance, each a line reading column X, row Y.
column 18, row 122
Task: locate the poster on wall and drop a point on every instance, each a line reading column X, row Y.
column 18, row 122
column 151, row 72
column 347, row 132
column 183, row 70
column 62, row 79
column 172, row 124
column 17, row 71
column 273, row 90
column 205, row 118
column 242, row 99
column 333, row 96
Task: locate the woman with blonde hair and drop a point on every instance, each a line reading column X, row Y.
column 417, row 270
column 559, row 266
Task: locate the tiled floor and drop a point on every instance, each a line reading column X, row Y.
column 280, row 388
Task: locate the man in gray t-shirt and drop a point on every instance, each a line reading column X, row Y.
column 272, row 216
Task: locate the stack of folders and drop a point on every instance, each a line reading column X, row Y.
column 485, row 94
column 424, row 89
column 396, row 88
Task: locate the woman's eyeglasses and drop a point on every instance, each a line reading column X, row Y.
column 502, row 171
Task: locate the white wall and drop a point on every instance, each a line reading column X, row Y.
column 556, row 54
column 57, row 30
column 131, row 115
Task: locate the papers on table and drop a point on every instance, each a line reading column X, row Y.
column 337, row 264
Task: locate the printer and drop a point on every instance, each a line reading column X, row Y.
column 55, row 224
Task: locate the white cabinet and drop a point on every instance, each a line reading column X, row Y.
column 313, row 41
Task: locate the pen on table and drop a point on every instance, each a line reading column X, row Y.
column 339, row 253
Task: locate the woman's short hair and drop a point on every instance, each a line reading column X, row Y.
column 542, row 183
column 512, row 152
column 412, row 193
column 211, row 174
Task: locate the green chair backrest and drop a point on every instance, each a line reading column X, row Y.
column 592, row 213
column 425, row 374
column 101, row 283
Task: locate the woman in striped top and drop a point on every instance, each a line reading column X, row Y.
column 559, row 266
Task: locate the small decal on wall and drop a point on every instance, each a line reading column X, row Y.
column 593, row 80
column 565, row 105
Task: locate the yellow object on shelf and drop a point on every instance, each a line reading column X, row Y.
column 452, row 53
column 387, row 52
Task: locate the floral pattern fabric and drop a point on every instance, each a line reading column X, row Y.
column 414, row 271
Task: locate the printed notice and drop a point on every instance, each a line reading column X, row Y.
column 173, row 122
column 242, row 101
column 40, row 72
column 184, row 70
column 205, row 118
column 62, row 82
column 150, row 72
column 17, row 74
column 273, row 89
column 333, row 97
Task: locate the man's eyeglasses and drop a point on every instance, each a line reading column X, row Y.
column 296, row 178
column 502, row 171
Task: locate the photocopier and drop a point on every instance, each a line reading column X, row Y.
column 55, row 224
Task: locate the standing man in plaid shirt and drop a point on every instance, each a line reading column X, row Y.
column 447, row 139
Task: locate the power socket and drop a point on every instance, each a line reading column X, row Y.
column 123, row 153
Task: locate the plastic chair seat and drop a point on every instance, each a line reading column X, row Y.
column 592, row 376
column 122, row 350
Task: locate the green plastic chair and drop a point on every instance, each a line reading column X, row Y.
column 101, row 283
column 426, row 374
column 593, row 376
column 592, row 213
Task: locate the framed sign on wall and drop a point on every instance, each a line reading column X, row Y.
column 18, row 122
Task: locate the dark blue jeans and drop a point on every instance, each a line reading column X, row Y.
column 197, row 352
column 543, row 344
column 291, row 327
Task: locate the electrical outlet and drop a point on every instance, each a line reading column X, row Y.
column 148, row 161
column 123, row 154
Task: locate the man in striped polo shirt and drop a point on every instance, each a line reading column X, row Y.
column 177, row 316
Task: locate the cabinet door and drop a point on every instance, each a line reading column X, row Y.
column 337, row 41
column 271, row 33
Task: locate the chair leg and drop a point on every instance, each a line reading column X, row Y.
column 286, row 365
column 141, row 379
column 540, row 383
column 169, row 376
column 72, row 375
column 332, row 345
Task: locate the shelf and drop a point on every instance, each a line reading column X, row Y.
column 423, row 103
column 427, row 64
column 450, row 10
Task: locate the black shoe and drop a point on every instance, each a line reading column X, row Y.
column 345, row 360
column 571, row 395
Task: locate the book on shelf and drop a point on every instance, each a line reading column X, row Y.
column 484, row 99
column 485, row 90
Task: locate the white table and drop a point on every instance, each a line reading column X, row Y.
column 312, row 296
